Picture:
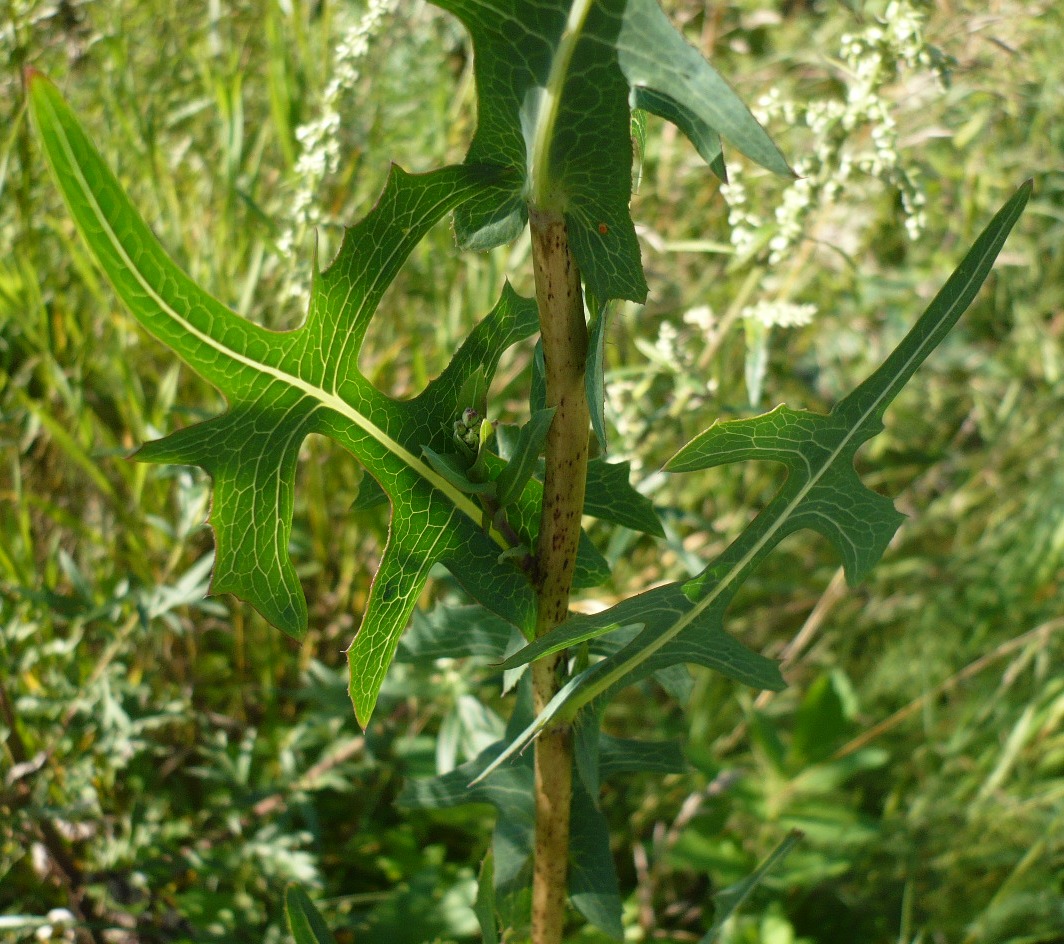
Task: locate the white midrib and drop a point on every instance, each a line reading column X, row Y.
column 550, row 100
column 323, row 397
column 581, row 697
column 565, row 705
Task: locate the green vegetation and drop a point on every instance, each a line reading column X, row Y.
column 171, row 763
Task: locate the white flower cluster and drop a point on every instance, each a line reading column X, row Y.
column 758, row 322
column 853, row 140
column 60, row 926
column 780, row 314
column 319, row 139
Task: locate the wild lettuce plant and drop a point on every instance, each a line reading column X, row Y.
column 558, row 83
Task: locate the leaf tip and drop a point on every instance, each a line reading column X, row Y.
column 362, row 701
column 36, row 84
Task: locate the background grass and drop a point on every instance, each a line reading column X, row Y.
column 191, row 761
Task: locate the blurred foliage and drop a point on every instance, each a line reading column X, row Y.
column 189, row 762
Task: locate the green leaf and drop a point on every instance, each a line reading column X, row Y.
column 820, row 723
column 702, row 136
column 593, row 886
column 728, row 900
column 522, row 463
column 537, row 397
column 592, row 874
column 282, row 386
column 703, row 642
column 370, row 494
column 555, row 79
column 304, row 920
column 674, row 679
column 592, row 878
column 610, row 497
column 626, row 756
column 456, row 632
column 594, row 370
column 591, row 567
column 510, row 791
column 484, row 906
column 451, row 468
column 822, row 492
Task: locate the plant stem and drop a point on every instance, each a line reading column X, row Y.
column 564, row 336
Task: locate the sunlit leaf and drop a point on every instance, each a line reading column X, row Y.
column 556, row 81
column 280, row 387
column 823, row 492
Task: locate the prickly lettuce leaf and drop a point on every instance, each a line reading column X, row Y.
column 282, row 386
column 556, row 81
column 822, row 492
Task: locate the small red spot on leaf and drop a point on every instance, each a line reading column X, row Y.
column 603, row 229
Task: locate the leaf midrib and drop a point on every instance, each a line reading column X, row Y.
column 313, row 392
column 550, row 101
column 917, row 356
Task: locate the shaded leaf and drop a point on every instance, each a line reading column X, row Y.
column 304, row 920
column 594, row 371
column 704, row 642
column 484, row 906
column 456, row 632
column 728, row 900
column 627, row 756
column 593, row 885
column 609, row 496
column 705, row 139
column 522, row 462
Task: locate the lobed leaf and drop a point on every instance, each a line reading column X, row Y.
column 609, row 496
column 282, row 386
column 822, row 492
